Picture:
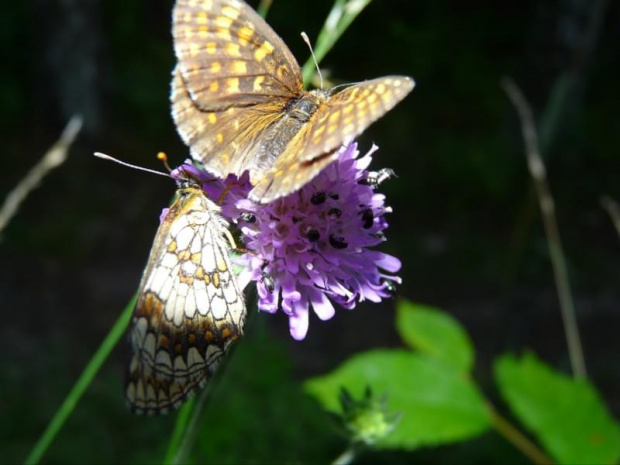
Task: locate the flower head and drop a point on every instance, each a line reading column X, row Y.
column 313, row 248
column 367, row 420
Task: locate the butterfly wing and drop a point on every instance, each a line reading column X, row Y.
column 233, row 80
column 338, row 120
column 229, row 56
column 349, row 112
column 221, row 140
column 189, row 309
column 234, row 83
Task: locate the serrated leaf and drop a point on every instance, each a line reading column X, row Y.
column 436, row 334
column 567, row 415
column 438, row 404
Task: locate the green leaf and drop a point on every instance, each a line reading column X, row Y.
column 436, row 334
column 567, row 415
column 438, row 404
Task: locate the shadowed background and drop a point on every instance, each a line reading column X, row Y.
column 465, row 224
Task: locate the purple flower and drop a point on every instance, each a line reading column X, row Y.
column 313, row 248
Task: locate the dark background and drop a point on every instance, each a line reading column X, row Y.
column 464, row 224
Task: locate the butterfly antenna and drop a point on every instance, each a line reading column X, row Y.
column 316, row 63
column 129, row 165
column 161, row 156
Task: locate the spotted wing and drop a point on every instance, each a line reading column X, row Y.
column 222, row 140
column 189, row 310
column 341, row 118
column 233, row 79
column 229, row 56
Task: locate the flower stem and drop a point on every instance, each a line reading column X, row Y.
column 340, row 17
column 347, row 456
column 185, row 428
column 263, row 8
column 517, row 439
column 547, row 208
column 179, row 431
column 81, row 385
column 613, row 209
column 54, row 157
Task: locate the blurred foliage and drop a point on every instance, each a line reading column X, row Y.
column 435, row 334
column 435, row 396
column 567, row 415
column 439, row 402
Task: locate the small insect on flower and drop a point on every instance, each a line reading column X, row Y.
column 190, row 308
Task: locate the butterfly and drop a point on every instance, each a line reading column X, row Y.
column 189, row 309
column 238, row 100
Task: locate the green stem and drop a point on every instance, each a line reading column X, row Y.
column 263, row 8
column 340, row 17
column 347, row 456
column 613, row 209
column 187, row 428
column 547, row 208
column 179, row 431
column 81, row 385
column 517, row 439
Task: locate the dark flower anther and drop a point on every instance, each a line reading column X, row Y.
column 334, row 212
column 368, row 218
column 338, row 242
column 318, row 198
column 313, row 235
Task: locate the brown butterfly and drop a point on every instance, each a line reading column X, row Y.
column 238, row 100
column 190, row 308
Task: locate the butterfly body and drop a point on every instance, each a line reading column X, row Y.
column 238, row 100
column 276, row 137
column 189, row 309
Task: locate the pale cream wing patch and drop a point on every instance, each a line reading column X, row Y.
column 189, row 310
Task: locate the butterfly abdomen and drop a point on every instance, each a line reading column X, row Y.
column 278, row 136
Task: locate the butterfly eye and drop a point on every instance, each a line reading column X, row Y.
column 305, row 106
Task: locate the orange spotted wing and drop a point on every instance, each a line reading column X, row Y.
column 238, row 100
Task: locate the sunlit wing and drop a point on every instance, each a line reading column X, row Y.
column 341, row 118
column 229, row 56
column 189, row 310
column 348, row 113
column 222, row 140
